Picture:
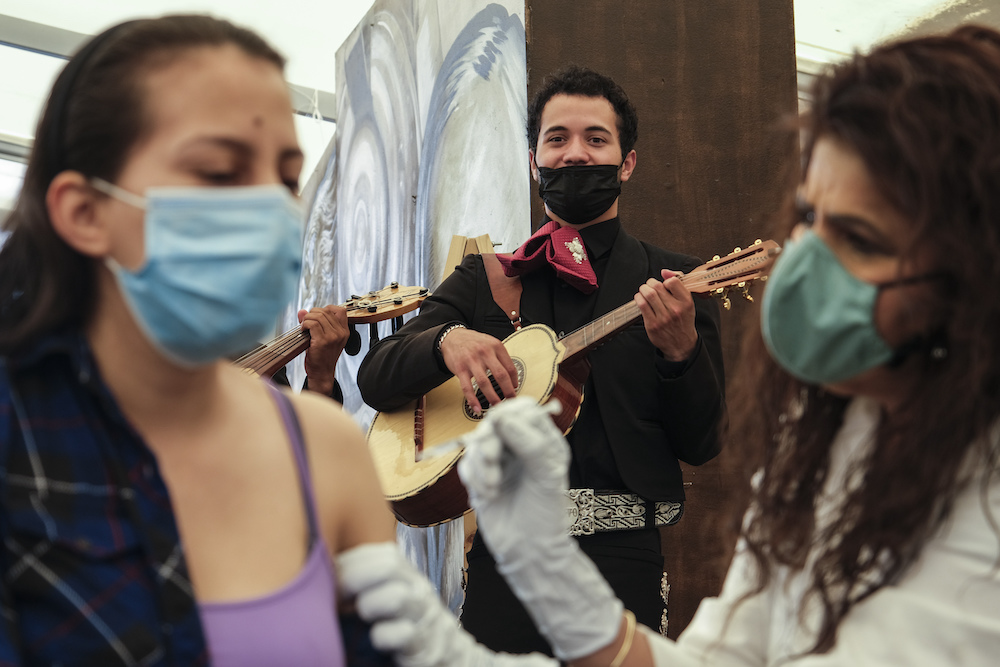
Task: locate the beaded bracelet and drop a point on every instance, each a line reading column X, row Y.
column 447, row 330
column 627, row 644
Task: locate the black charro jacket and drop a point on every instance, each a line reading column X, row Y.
column 653, row 418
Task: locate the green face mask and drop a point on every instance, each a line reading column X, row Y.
column 818, row 320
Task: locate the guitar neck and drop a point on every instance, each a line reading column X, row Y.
column 735, row 269
column 591, row 335
column 271, row 356
column 390, row 302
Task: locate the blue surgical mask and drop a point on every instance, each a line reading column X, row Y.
column 817, row 319
column 220, row 265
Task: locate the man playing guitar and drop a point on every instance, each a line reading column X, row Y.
column 652, row 395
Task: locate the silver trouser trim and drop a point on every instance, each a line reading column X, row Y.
column 665, row 594
column 598, row 512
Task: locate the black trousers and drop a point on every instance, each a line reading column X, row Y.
column 631, row 562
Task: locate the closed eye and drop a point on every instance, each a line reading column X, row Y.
column 218, row 177
column 862, row 244
column 859, row 235
column 845, row 231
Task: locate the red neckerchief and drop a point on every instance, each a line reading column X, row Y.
column 562, row 248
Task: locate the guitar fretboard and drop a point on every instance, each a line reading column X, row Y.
column 594, row 333
column 743, row 265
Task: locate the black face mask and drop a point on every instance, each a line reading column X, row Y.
column 579, row 193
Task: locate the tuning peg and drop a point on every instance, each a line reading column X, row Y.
column 715, row 258
column 736, row 250
column 746, row 293
column 757, row 242
column 723, row 292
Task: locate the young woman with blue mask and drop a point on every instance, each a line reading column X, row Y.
column 867, row 405
column 157, row 505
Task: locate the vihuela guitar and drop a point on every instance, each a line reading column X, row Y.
column 393, row 301
column 423, row 487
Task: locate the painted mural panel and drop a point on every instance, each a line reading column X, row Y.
column 430, row 143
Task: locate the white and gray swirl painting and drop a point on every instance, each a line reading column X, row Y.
column 430, row 143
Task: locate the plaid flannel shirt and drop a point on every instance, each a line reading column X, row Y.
column 92, row 567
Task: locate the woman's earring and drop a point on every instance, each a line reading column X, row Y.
column 937, row 345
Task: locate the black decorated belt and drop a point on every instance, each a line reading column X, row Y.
column 605, row 511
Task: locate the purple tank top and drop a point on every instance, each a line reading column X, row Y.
column 296, row 625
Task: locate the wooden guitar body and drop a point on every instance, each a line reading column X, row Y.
column 428, row 491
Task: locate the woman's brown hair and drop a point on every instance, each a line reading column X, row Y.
column 924, row 116
column 93, row 116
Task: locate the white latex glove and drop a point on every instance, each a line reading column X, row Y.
column 408, row 619
column 515, row 467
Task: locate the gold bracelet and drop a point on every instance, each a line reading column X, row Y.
column 627, row 644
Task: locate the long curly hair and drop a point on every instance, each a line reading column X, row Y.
column 924, row 116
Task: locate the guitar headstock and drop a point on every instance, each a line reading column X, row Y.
column 737, row 269
column 384, row 304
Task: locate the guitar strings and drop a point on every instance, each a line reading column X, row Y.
column 258, row 359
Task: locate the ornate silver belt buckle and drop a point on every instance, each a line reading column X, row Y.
column 581, row 511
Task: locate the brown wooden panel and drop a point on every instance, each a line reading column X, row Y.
column 710, row 79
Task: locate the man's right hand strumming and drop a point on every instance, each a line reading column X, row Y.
column 471, row 355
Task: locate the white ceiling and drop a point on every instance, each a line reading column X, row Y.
column 844, row 25
column 307, row 32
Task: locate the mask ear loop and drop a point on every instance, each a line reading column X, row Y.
column 910, row 280
column 935, row 343
column 121, row 194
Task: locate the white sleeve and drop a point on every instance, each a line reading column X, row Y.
column 946, row 608
column 945, row 611
column 899, row 628
column 717, row 635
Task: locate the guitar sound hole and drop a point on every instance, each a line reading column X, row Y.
column 485, row 404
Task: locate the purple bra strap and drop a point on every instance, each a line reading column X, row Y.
column 294, row 431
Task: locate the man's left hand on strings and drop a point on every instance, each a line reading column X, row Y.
column 668, row 314
column 328, row 331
